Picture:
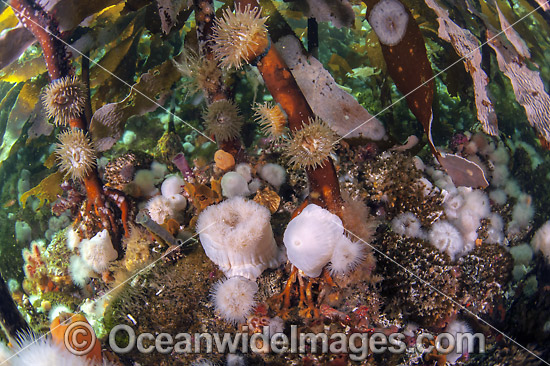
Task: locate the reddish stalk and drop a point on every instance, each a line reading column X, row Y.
column 45, row 29
column 324, row 186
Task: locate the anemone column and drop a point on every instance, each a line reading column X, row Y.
column 45, row 29
column 324, row 186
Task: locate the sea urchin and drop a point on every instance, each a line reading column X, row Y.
column 75, row 154
column 272, row 118
column 64, row 99
column 239, row 37
column 311, row 145
column 222, row 119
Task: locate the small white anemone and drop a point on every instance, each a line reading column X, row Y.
column 236, row 235
column 310, row 238
column 160, row 209
column 445, row 237
column 346, row 256
column 234, row 298
column 233, row 184
column 172, row 185
column 98, row 252
column 274, row 174
column 541, row 241
column 407, row 224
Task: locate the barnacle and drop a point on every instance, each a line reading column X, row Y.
column 64, row 99
column 311, row 145
column 239, row 37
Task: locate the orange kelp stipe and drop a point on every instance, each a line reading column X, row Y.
column 408, row 65
column 324, row 185
column 73, row 331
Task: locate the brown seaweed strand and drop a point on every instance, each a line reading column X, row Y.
column 46, row 31
column 324, row 186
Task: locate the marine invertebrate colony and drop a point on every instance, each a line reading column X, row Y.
column 75, row 154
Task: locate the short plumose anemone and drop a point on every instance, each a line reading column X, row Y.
column 234, row 298
column 222, row 119
column 75, row 154
column 389, row 19
column 316, row 237
column 64, row 99
column 236, row 235
column 311, row 146
column 272, row 119
column 239, row 37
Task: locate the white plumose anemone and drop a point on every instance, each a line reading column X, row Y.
column 445, row 237
column 310, row 238
column 234, row 298
column 172, row 185
column 160, row 209
column 236, row 235
column 407, row 224
column 389, row 19
column 98, row 251
column 346, row 256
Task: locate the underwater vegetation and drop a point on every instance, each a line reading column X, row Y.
column 262, row 170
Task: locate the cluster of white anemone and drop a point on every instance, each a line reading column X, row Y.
column 237, row 236
column 316, row 237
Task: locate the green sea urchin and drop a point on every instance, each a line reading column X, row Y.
column 272, row 119
column 75, row 154
column 64, row 99
column 222, row 120
column 311, row 146
column 239, row 37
